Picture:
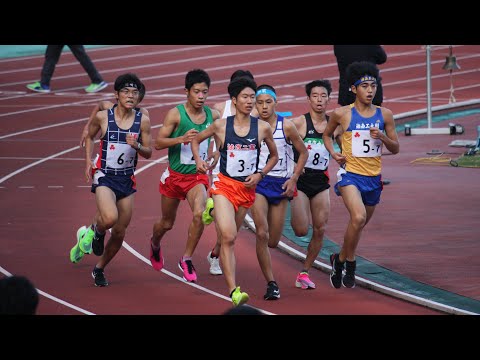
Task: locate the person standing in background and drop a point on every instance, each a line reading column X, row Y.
column 52, row 55
column 18, row 296
column 347, row 54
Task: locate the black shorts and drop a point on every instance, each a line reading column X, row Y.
column 312, row 182
column 121, row 185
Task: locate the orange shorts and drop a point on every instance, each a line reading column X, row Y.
column 176, row 185
column 235, row 191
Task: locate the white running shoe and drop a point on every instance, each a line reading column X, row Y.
column 214, row 265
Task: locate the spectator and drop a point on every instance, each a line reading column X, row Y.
column 347, row 54
column 242, row 310
column 52, row 55
column 18, row 296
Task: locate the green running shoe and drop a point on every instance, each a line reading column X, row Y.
column 85, row 240
column 207, row 218
column 238, row 297
column 38, row 87
column 76, row 254
column 93, row 88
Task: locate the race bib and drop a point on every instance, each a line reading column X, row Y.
column 364, row 146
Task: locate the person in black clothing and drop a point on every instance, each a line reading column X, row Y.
column 18, row 296
column 52, row 55
column 347, row 54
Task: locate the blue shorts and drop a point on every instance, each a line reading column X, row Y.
column 121, row 185
column 369, row 186
column 271, row 188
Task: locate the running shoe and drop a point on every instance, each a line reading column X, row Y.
column 238, row 297
column 337, row 269
column 99, row 277
column 188, row 269
column 39, row 87
column 76, row 254
column 214, row 262
column 98, row 244
column 85, row 241
column 207, row 218
column 156, row 258
column 93, row 88
column 303, row 281
column 273, row 292
column 349, row 278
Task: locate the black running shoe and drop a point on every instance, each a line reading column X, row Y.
column 273, row 292
column 336, row 274
column 97, row 244
column 349, row 278
column 99, row 277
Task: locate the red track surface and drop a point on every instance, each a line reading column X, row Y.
column 44, row 198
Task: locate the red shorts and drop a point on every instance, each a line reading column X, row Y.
column 235, row 191
column 176, row 185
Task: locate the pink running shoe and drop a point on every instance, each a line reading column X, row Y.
column 156, row 258
column 188, row 269
column 303, row 281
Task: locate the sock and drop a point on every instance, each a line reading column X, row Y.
column 97, row 233
column 185, row 258
column 304, row 271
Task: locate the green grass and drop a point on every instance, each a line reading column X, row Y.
column 472, row 161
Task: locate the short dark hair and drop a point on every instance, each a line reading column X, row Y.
column 141, row 92
column 242, row 310
column 18, row 296
column 240, row 73
column 322, row 83
column 196, row 76
column 237, row 85
column 357, row 69
column 128, row 78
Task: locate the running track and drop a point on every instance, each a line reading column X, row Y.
column 45, row 199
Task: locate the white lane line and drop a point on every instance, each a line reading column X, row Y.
column 125, row 245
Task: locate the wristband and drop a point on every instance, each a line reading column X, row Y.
column 262, row 174
column 139, row 147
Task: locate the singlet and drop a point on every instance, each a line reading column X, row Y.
column 363, row 154
column 227, row 110
column 318, row 155
column 116, row 156
column 285, row 164
column 180, row 156
column 239, row 155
